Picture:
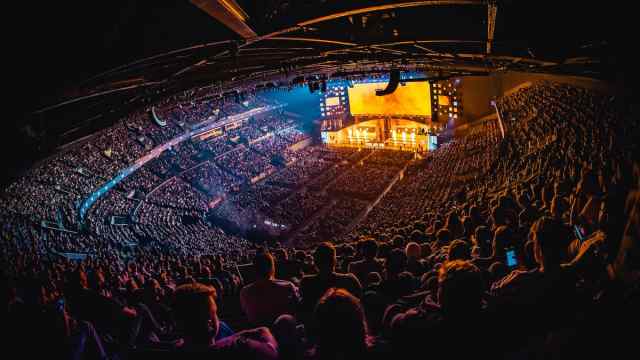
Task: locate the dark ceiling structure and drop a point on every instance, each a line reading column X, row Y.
column 248, row 43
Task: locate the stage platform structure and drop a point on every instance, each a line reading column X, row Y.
column 403, row 133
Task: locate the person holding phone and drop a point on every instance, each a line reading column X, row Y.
column 580, row 232
column 503, row 239
column 511, row 258
column 546, row 295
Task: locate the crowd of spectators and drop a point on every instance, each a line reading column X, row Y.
column 176, row 193
column 292, row 135
column 119, row 143
column 364, row 181
column 143, row 180
column 389, row 158
column 297, row 208
column 260, row 198
column 272, row 146
column 43, row 204
column 528, row 251
column 151, row 214
column 210, row 179
column 216, row 146
column 325, row 178
column 190, row 112
column 300, row 172
column 161, row 166
column 332, row 224
column 114, row 203
column 423, row 191
column 245, row 163
column 273, row 122
column 287, row 201
column 246, row 133
column 184, row 155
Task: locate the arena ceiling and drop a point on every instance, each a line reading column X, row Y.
column 165, row 48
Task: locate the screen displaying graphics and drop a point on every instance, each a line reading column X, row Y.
column 324, row 135
column 334, row 101
column 443, row 100
column 409, row 99
column 433, row 142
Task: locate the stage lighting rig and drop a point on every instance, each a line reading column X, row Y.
column 394, row 80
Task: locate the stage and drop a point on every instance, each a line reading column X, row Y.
column 393, row 133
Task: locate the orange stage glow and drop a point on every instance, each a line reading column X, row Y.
column 402, row 134
column 443, row 100
column 410, row 99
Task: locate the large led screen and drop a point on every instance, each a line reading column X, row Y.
column 443, row 100
column 410, row 99
column 332, row 101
